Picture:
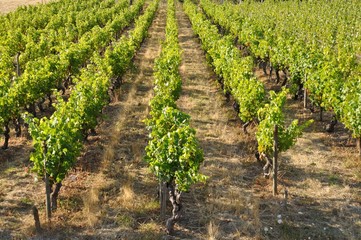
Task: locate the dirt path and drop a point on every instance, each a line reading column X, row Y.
column 121, row 200
column 224, row 207
column 11, row 5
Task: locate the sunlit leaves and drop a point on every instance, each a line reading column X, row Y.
column 173, row 151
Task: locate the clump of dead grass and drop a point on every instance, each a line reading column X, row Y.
column 213, row 231
column 150, row 231
column 91, row 206
column 126, row 197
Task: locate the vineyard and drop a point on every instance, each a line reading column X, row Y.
column 165, row 119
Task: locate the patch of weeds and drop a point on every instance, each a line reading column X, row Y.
column 354, row 164
column 125, row 220
column 26, row 202
column 304, row 185
column 308, row 201
column 334, row 179
column 148, row 207
column 11, row 170
column 134, row 69
column 152, row 205
column 289, row 232
column 71, row 203
column 150, row 231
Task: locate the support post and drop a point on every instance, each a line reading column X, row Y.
column 47, row 185
column 36, row 220
column 6, row 136
column 163, row 199
column 275, row 156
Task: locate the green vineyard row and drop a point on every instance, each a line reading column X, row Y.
column 58, row 140
column 173, row 152
column 49, row 70
column 248, row 92
column 318, row 43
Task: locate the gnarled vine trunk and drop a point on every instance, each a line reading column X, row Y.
column 174, row 198
column 54, row 196
column 16, row 122
column 7, row 136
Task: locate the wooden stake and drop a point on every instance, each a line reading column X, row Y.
column 163, row 199
column 304, row 98
column 275, row 156
column 47, row 186
column 47, row 200
column 36, row 219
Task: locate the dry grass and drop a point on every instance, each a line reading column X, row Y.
column 320, row 173
column 213, row 231
column 11, row 5
column 91, row 206
column 112, row 195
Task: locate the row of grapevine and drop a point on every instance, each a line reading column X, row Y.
column 44, row 74
column 31, row 44
column 248, row 93
column 318, row 43
column 173, row 151
column 41, row 15
column 27, row 42
column 58, row 140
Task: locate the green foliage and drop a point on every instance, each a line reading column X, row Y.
column 270, row 115
column 57, row 44
column 173, row 151
column 318, row 43
column 56, row 145
column 58, row 140
column 351, row 105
